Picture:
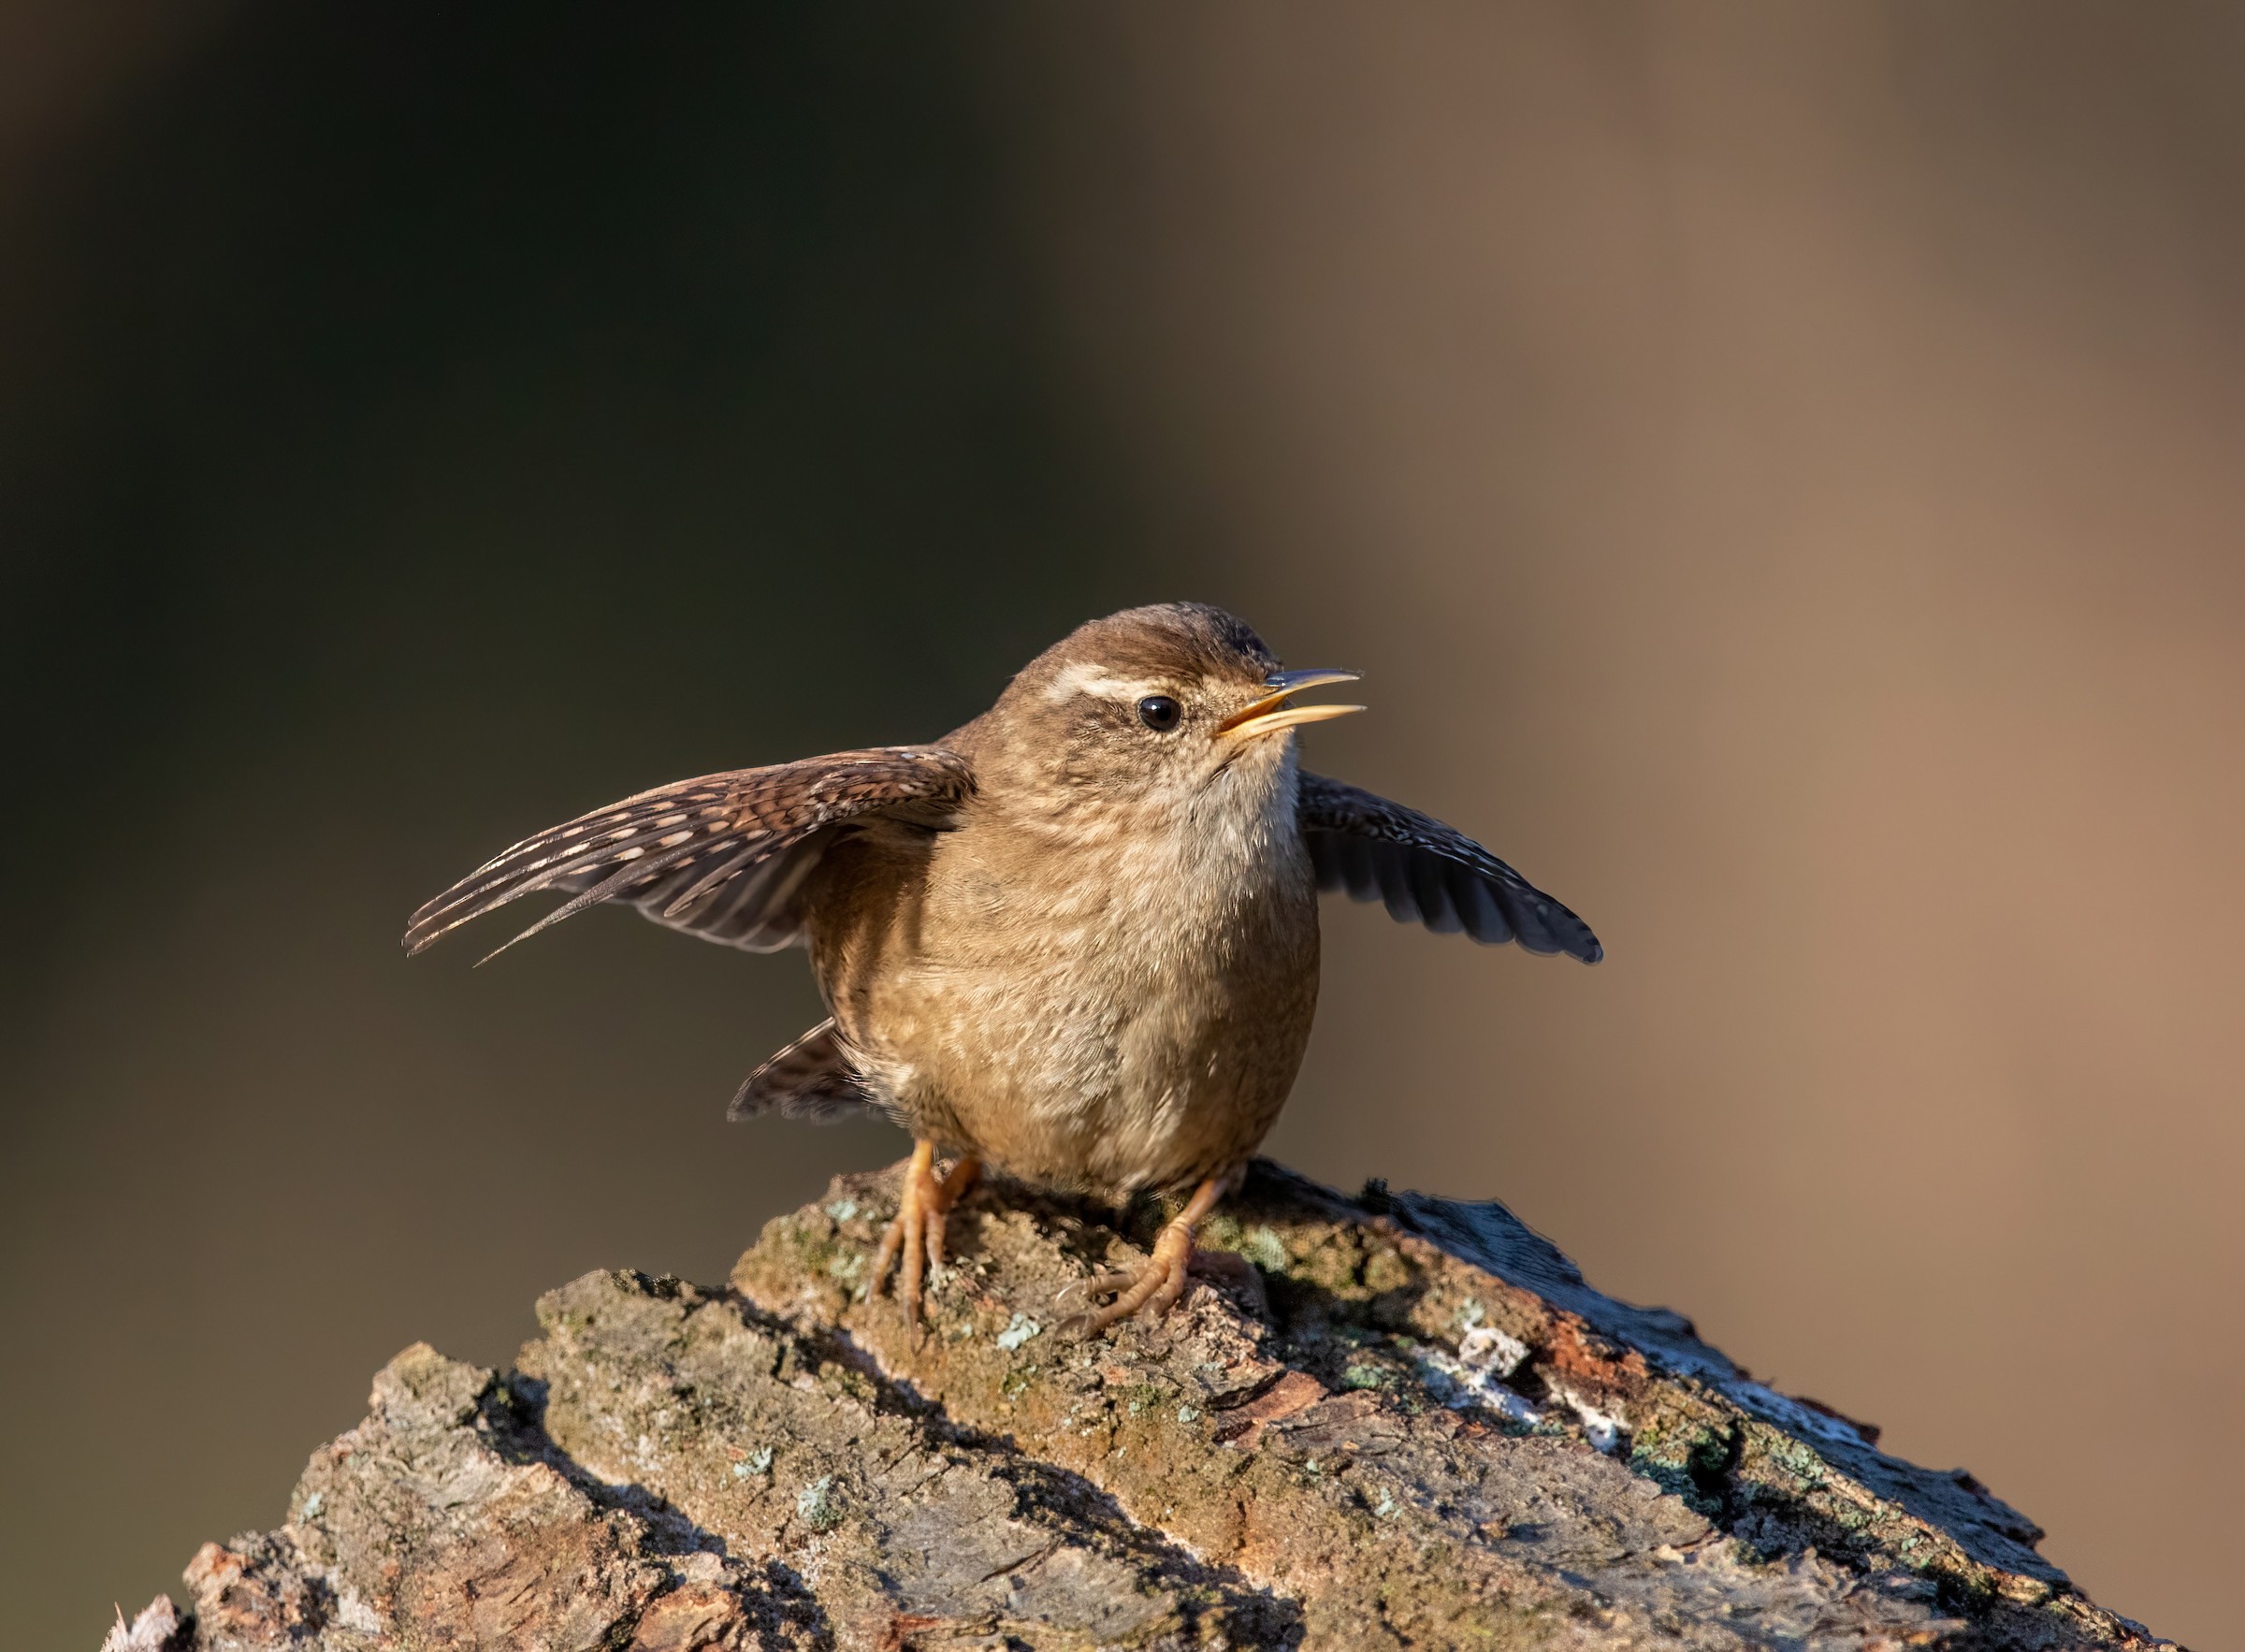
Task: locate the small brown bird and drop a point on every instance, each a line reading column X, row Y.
column 1075, row 939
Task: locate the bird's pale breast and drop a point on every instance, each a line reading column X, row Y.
column 1108, row 1000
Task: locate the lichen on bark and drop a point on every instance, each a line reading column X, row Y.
column 1381, row 1422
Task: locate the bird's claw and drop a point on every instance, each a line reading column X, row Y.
column 916, row 1232
column 1151, row 1290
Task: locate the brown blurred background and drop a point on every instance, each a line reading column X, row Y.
column 1778, row 467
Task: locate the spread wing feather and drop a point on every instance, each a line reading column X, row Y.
column 720, row 857
column 1426, row 873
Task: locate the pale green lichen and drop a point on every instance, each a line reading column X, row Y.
column 1262, row 1246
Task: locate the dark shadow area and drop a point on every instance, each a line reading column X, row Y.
column 418, row 426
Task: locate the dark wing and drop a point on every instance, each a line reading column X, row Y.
column 1428, row 874
column 811, row 1078
column 721, row 857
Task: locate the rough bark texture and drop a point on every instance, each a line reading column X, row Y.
column 1388, row 1422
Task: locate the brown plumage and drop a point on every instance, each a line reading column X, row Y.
column 1075, row 939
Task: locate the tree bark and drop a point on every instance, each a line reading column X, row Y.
column 1382, row 1422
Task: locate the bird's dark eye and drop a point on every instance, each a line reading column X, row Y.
column 1160, row 713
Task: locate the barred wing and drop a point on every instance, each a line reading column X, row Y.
column 1428, row 873
column 810, row 1078
column 721, row 857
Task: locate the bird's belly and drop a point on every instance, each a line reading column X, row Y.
column 1100, row 1063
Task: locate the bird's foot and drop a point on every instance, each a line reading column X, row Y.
column 1153, row 1289
column 916, row 1232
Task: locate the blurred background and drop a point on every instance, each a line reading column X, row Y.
column 1778, row 468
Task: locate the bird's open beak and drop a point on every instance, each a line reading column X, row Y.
column 1271, row 713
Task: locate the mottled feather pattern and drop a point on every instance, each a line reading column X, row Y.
column 1426, row 873
column 719, row 855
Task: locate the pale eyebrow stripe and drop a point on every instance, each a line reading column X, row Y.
column 1084, row 677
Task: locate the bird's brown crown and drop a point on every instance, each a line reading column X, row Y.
column 1186, row 649
column 1186, row 641
column 1134, row 705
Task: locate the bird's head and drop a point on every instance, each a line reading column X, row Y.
column 1154, row 705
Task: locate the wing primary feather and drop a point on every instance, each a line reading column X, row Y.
column 755, row 888
column 1483, row 913
column 1395, row 884
column 464, row 904
column 634, row 872
column 707, row 884
column 1430, row 874
column 1433, row 899
column 1360, row 866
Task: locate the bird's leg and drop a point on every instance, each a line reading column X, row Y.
column 1155, row 1288
column 918, row 1230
